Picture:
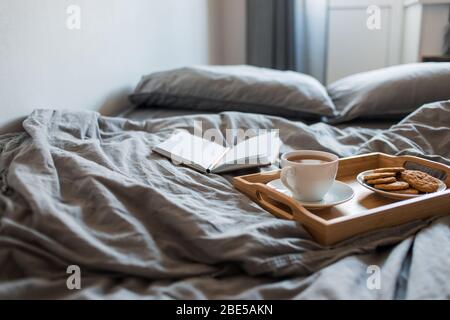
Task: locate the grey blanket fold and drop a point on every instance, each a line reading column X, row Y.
column 81, row 189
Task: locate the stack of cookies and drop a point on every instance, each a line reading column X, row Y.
column 400, row 180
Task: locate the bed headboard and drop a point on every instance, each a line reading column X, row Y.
column 82, row 54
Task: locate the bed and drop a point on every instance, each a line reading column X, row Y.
column 80, row 189
column 156, row 112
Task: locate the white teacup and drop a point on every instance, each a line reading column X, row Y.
column 308, row 174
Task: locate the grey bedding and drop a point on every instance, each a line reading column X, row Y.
column 391, row 92
column 81, row 189
column 235, row 88
column 154, row 112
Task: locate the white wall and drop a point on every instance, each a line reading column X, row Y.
column 228, row 31
column 434, row 20
column 45, row 65
column 425, row 23
column 412, row 28
column 353, row 47
column 316, row 41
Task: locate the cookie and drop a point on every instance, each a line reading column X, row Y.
column 421, row 181
column 398, row 185
column 373, row 176
column 389, row 169
column 407, row 191
column 381, row 180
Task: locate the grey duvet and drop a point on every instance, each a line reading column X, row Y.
column 81, row 189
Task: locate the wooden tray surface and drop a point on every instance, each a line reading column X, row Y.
column 365, row 212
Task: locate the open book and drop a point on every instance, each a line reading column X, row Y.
column 206, row 156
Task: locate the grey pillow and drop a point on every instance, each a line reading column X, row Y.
column 235, row 88
column 390, row 92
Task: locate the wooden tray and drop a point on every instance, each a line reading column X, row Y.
column 365, row 212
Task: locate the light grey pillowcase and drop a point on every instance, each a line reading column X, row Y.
column 390, row 92
column 235, row 88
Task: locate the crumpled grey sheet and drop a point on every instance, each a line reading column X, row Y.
column 81, row 189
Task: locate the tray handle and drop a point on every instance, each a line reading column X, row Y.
column 262, row 192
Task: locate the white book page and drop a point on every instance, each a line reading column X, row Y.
column 259, row 150
column 185, row 148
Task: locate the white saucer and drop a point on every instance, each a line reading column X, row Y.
column 339, row 193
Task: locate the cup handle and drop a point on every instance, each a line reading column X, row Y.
column 284, row 177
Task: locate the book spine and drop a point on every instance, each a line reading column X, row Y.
column 214, row 164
